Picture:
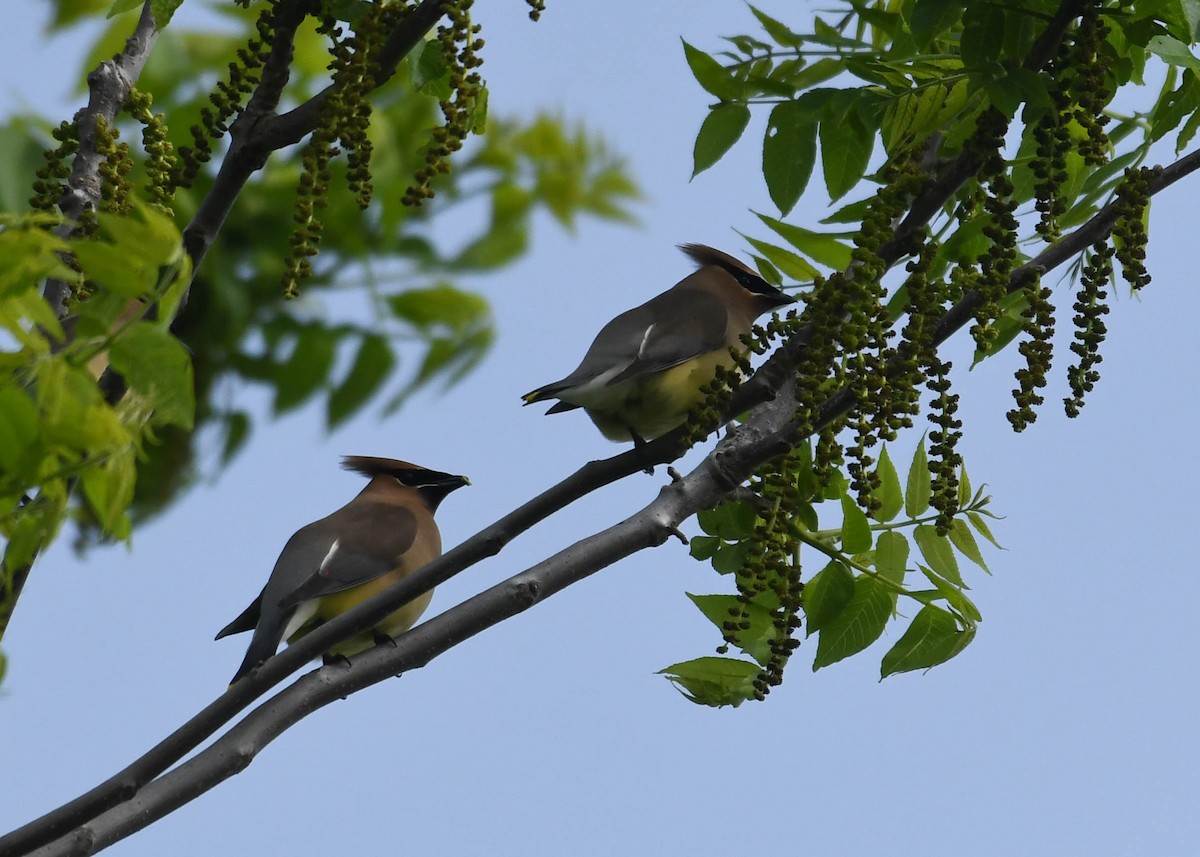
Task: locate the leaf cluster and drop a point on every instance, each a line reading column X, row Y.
column 865, row 580
column 417, row 324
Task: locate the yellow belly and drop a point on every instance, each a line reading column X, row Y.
column 655, row 404
column 393, row 625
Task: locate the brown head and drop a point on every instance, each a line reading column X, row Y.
column 391, row 474
column 749, row 294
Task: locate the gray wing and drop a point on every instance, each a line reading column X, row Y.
column 686, row 323
column 663, row 332
column 371, row 538
column 368, row 538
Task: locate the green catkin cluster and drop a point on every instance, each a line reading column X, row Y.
column 1053, row 137
column 865, row 332
column 115, row 186
column 916, row 343
column 1038, row 350
column 1079, row 90
column 226, row 101
column 944, row 460
column 460, row 45
column 1090, row 308
column 161, row 164
column 996, row 264
column 770, row 576
column 1133, row 197
column 536, row 8
column 312, row 195
column 52, row 176
column 712, row 412
column 355, row 69
column 345, row 118
column 1090, row 86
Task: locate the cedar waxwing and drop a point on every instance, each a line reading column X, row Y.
column 381, row 536
column 643, row 373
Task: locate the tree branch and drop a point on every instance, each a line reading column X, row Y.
column 258, row 131
column 768, row 433
column 108, row 87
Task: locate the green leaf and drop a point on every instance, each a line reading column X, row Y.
column 858, row 625
column 114, row 268
column 712, row 75
column 789, row 263
column 961, row 538
column 28, row 256
column 163, row 11
column 441, row 306
column 731, row 520
column 714, row 681
column 964, row 488
column 722, row 127
column 846, row 146
column 982, row 36
column 109, row 491
column 1173, row 51
column 824, row 249
column 891, row 556
column 1191, row 12
column 953, row 596
column 237, row 432
column 370, row 369
column 428, row 69
column 730, row 558
column 915, row 115
column 981, row 526
column 119, row 7
column 777, row 31
column 755, row 640
column 147, row 235
column 18, row 433
column 888, row 494
column 916, row 498
column 157, row 365
column 703, row 547
column 307, row 369
column 938, row 553
column 856, row 529
column 789, row 152
column 932, row 638
column 931, row 18
column 826, row 595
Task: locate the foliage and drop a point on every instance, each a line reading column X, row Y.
column 414, row 323
column 986, row 130
column 850, row 601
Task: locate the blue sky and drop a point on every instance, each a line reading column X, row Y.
column 1067, row 727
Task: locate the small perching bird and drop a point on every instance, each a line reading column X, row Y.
column 643, row 373
column 381, row 536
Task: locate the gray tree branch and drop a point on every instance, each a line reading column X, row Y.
column 768, row 432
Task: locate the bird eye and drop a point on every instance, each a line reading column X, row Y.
column 753, row 283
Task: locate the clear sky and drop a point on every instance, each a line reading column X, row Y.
column 1067, row 727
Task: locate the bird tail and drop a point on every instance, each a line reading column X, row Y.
column 541, row 393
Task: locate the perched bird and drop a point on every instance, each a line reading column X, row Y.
column 381, row 536
column 643, row 373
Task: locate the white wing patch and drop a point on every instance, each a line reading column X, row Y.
column 333, row 549
column 645, row 339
